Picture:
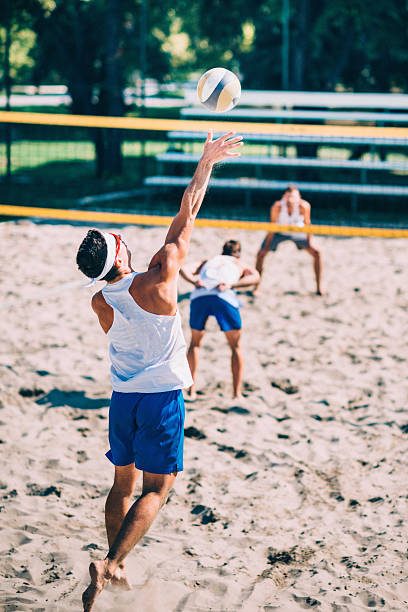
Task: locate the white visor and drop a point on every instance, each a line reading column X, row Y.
column 110, row 258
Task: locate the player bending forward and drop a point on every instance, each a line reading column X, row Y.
column 215, row 280
column 291, row 210
column 138, row 312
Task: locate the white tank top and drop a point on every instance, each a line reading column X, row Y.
column 296, row 218
column 219, row 269
column 147, row 351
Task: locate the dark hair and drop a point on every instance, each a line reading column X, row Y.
column 231, row 247
column 91, row 256
column 291, row 187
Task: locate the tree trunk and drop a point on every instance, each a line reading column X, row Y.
column 343, row 56
column 299, row 43
column 108, row 142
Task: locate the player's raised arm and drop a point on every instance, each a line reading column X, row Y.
column 177, row 242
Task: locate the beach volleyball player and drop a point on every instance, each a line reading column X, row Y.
column 291, row 209
column 215, row 280
column 138, row 312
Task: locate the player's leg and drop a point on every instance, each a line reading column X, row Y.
column 118, row 500
column 259, row 265
column 229, row 319
column 234, row 340
column 139, row 518
column 260, row 258
column 122, row 410
column 157, row 442
column 262, row 253
column 199, row 313
column 116, row 507
column 141, row 515
column 192, row 356
column 317, row 266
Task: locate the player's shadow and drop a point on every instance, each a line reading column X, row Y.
column 183, row 296
column 74, row 399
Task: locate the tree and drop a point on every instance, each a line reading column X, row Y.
column 337, row 43
column 92, row 47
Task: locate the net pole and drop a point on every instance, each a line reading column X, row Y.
column 7, row 83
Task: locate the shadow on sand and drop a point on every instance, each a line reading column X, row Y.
column 74, row 399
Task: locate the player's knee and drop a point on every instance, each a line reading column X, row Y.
column 315, row 253
column 161, row 495
column 122, row 489
column 235, row 344
column 195, row 343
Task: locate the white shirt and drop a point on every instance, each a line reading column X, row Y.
column 295, row 218
column 219, row 269
column 147, row 351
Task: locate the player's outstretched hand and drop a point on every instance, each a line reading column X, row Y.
column 222, row 147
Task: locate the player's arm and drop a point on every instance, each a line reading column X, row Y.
column 275, row 209
column 175, row 249
column 249, row 277
column 305, row 210
column 103, row 311
column 190, row 273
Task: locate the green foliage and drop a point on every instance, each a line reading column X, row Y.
column 347, row 44
column 21, row 63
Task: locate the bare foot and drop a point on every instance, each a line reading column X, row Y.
column 238, row 397
column 120, row 580
column 98, row 570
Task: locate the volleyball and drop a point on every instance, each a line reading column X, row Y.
column 219, row 90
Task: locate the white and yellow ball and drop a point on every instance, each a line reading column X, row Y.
column 219, row 90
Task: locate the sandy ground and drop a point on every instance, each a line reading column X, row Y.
column 294, row 498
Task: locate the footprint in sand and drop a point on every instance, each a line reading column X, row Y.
column 35, row 489
column 285, row 385
column 26, row 392
column 193, row 432
column 371, row 600
column 307, row 602
column 82, row 456
column 207, row 514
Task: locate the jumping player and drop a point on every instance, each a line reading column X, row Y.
column 138, row 312
column 290, row 210
column 215, row 281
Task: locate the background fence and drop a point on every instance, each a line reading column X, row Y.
column 350, row 173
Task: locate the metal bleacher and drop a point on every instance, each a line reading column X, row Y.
column 300, row 115
column 248, row 185
column 260, row 162
column 296, row 138
column 368, row 153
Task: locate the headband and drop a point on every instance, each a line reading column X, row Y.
column 110, row 258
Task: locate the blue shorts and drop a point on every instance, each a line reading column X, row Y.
column 147, row 429
column 228, row 316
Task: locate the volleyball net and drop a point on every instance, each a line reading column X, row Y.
column 113, row 165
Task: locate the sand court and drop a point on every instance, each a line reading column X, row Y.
column 293, row 498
